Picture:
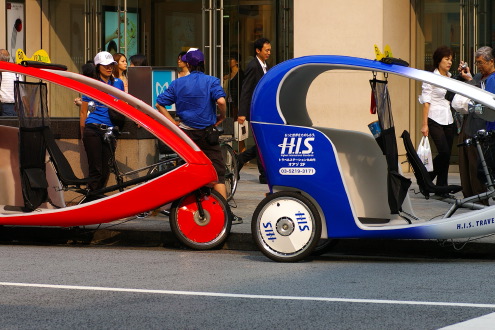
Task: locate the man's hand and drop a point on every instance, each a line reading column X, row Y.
column 241, row 119
column 464, row 71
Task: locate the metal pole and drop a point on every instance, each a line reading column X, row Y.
column 97, row 21
column 475, row 24
column 213, row 34
column 210, row 37
column 125, row 28
column 86, row 31
column 220, row 46
column 462, row 13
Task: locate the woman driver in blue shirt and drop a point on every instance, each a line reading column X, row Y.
column 94, row 125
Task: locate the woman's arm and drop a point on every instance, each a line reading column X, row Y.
column 425, row 99
column 83, row 114
column 424, row 127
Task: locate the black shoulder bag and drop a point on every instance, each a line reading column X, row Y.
column 116, row 117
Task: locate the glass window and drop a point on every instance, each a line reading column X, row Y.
column 439, row 23
column 160, row 30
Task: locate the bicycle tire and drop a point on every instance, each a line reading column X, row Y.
column 286, row 226
column 231, row 170
column 201, row 233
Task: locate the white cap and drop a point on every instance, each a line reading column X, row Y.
column 104, row 58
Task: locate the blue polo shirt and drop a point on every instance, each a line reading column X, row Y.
column 490, row 87
column 100, row 114
column 195, row 97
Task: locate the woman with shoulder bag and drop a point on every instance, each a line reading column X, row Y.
column 94, row 125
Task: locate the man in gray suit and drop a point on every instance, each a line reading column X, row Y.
column 253, row 73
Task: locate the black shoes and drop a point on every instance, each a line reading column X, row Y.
column 236, row 220
column 240, row 164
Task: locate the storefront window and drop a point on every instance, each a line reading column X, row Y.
column 160, row 30
column 67, row 46
column 463, row 25
column 440, row 25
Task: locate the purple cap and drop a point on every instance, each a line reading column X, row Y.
column 193, row 56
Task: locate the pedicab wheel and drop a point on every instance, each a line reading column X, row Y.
column 286, row 226
column 324, row 245
column 194, row 231
column 231, row 170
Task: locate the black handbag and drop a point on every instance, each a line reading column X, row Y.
column 116, row 118
column 212, row 135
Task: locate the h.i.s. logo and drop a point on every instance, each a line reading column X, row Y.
column 296, row 146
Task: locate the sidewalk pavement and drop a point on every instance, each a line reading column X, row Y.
column 154, row 231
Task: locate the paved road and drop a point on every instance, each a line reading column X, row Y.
column 155, row 231
column 105, row 288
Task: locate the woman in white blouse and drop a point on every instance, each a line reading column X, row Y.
column 437, row 117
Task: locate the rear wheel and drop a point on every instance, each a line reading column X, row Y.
column 195, row 231
column 286, row 226
column 231, row 170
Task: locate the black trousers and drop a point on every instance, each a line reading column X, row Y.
column 249, row 154
column 443, row 137
column 213, row 152
column 99, row 155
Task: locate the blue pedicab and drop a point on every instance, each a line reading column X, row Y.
column 330, row 183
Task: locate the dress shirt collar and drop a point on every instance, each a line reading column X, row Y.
column 263, row 64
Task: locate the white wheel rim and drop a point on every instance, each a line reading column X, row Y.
column 286, row 225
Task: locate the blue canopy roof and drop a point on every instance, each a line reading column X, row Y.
column 280, row 96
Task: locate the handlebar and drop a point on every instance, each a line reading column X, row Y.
column 475, row 108
column 112, row 132
column 480, row 135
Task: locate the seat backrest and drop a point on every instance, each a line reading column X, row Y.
column 423, row 179
column 62, row 166
column 32, row 152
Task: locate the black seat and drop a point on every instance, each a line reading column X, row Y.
column 426, row 186
column 32, row 167
column 64, row 171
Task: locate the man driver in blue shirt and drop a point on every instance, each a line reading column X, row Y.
column 196, row 97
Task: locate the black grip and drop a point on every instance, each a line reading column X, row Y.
column 43, row 65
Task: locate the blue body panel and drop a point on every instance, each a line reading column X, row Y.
column 301, row 157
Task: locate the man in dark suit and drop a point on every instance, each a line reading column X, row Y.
column 253, row 73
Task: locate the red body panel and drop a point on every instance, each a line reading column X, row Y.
column 197, row 172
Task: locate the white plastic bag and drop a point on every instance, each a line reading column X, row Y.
column 424, row 153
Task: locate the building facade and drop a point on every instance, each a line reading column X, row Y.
column 73, row 31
